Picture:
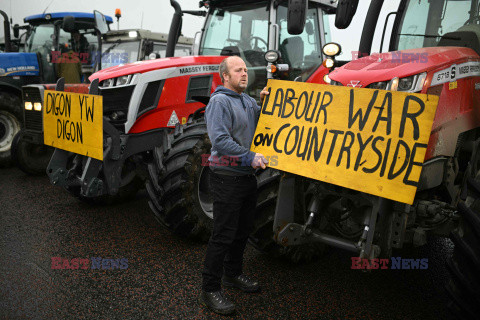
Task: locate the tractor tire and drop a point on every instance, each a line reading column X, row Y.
column 10, row 124
column 179, row 185
column 261, row 238
column 464, row 265
column 179, row 191
column 31, row 158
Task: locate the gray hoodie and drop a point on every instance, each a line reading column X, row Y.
column 231, row 121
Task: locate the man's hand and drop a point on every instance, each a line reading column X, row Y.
column 263, row 94
column 259, row 161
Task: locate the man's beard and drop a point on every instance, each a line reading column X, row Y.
column 242, row 85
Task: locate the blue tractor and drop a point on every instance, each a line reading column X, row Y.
column 35, row 56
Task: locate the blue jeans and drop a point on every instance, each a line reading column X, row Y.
column 234, row 202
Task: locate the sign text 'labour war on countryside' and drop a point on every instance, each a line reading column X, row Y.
column 373, row 141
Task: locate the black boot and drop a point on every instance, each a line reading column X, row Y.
column 217, row 302
column 241, row 282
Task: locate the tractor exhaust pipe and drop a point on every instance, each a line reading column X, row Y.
column 371, row 20
column 6, row 30
column 175, row 29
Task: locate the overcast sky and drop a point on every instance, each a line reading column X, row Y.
column 157, row 16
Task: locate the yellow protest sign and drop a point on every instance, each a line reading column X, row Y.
column 368, row 140
column 74, row 122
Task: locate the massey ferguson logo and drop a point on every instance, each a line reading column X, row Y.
column 354, row 83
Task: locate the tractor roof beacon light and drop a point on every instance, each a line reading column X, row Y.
column 118, row 15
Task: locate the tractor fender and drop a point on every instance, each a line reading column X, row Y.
column 11, row 88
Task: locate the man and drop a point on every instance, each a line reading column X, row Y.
column 79, row 42
column 231, row 117
column 68, row 66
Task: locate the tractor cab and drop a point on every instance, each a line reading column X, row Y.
column 130, row 45
column 436, row 24
column 424, row 35
column 250, row 29
column 55, row 36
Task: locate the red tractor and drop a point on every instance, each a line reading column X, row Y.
column 154, row 132
column 434, row 49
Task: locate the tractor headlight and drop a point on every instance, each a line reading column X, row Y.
column 329, row 63
column 327, row 79
column 122, row 80
column 108, row 83
column 332, row 49
column 382, row 85
column 272, row 56
column 408, row 84
column 119, row 81
column 28, row 105
column 37, row 106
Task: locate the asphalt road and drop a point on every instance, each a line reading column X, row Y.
column 159, row 276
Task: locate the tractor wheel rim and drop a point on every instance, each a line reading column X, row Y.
column 204, row 192
column 9, row 127
column 3, row 130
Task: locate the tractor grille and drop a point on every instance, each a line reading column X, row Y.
column 32, row 94
column 33, row 119
column 116, row 99
column 198, row 86
column 115, row 104
column 150, row 97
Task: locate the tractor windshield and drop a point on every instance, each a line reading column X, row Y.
column 40, row 40
column 425, row 22
column 119, row 53
column 244, row 30
column 240, row 30
column 180, row 50
column 301, row 52
column 236, row 29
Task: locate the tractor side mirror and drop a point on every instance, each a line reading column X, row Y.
column 16, row 30
column 100, row 22
column 297, row 10
column 345, row 11
column 68, row 24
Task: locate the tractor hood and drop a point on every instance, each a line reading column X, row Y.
column 151, row 65
column 385, row 66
